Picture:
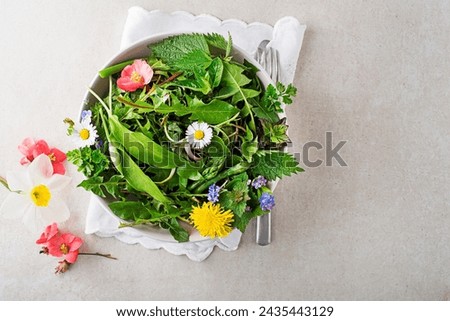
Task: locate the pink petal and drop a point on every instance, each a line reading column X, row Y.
column 24, row 161
column 126, row 84
column 127, row 71
column 71, row 257
column 58, row 168
column 41, row 147
column 59, row 155
column 40, row 169
column 27, row 143
column 143, row 69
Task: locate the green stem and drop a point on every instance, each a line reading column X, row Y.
column 228, row 121
column 172, row 172
column 4, row 183
column 93, row 93
column 111, row 70
column 108, row 256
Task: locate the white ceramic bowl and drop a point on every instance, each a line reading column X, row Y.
column 100, row 86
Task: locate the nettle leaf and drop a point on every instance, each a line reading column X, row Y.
column 112, row 187
column 172, row 49
column 274, row 164
column 193, row 60
column 216, row 112
column 216, row 40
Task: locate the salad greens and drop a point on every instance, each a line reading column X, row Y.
column 143, row 160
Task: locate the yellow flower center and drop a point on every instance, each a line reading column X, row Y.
column 84, row 134
column 52, row 157
column 199, row 134
column 64, row 249
column 40, row 195
column 211, row 220
column 136, row 77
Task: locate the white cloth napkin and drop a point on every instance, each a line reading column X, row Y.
column 286, row 36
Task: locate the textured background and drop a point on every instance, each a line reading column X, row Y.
column 374, row 73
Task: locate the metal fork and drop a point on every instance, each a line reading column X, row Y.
column 269, row 60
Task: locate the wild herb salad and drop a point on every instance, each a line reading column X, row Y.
column 186, row 134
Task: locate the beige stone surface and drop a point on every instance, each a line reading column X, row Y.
column 374, row 73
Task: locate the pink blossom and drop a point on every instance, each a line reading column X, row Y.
column 135, row 76
column 31, row 149
column 50, row 232
column 67, row 245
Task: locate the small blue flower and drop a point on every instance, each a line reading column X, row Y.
column 98, row 143
column 86, row 114
column 213, row 193
column 259, row 182
column 266, row 201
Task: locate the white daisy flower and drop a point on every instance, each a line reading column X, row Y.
column 199, row 134
column 36, row 195
column 84, row 133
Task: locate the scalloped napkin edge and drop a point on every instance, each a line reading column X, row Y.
column 286, row 36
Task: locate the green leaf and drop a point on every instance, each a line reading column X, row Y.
column 172, row 49
column 229, row 45
column 133, row 211
column 242, row 221
column 249, row 148
column 104, row 189
column 216, row 40
column 216, row 112
column 233, row 76
column 216, row 70
column 274, row 164
column 274, row 96
column 178, row 233
column 138, row 180
column 196, row 59
column 189, row 173
column 276, row 133
column 244, row 94
column 143, row 148
column 235, row 199
column 90, row 162
column 199, row 83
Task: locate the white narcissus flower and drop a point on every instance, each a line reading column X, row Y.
column 36, row 195
column 84, row 133
column 199, row 134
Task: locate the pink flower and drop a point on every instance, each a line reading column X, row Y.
column 67, row 245
column 135, row 76
column 32, row 149
column 50, row 232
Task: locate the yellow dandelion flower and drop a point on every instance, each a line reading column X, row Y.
column 211, row 220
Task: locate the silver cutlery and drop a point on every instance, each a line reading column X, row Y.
column 268, row 58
